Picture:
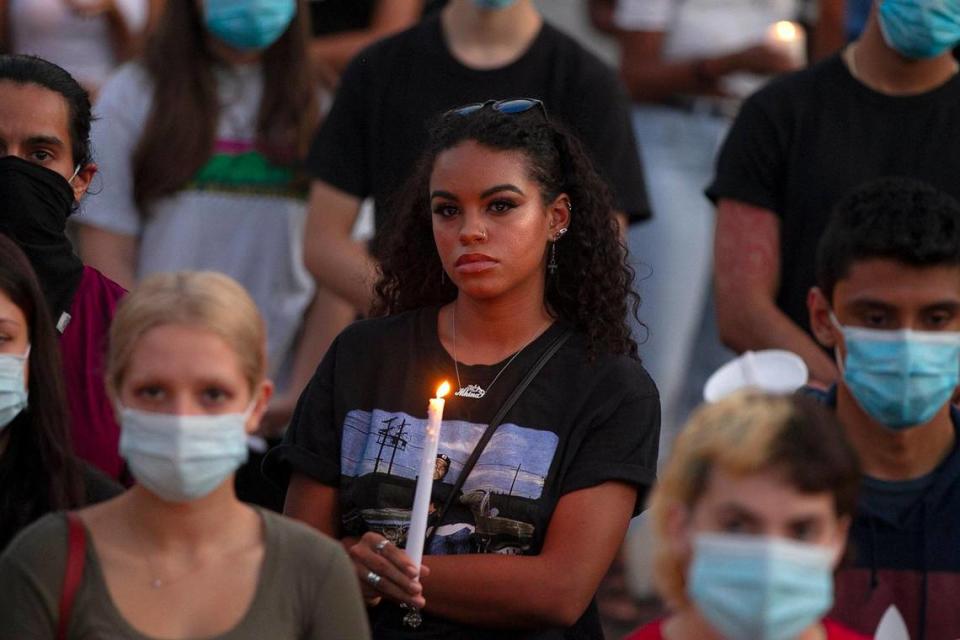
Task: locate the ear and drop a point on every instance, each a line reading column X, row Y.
column 677, row 527
column 839, row 542
column 261, row 399
column 81, row 181
column 558, row 213
column 819, row 308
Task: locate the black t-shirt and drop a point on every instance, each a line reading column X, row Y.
column 359, row 427
column 805, row 140
column 391, row 91
column 336, row 16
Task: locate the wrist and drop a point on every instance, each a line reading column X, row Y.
column 706, row 72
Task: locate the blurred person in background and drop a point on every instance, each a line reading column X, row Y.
column 178, row 555
column 200, row 143
column 38, row 470
column 471, row 51
column 887, row 105
column 88, row 38
column 342, row 28
column 751, row 517
column 46, row 166
column 688, row 64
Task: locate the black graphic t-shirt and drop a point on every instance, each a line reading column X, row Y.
column 360, row 427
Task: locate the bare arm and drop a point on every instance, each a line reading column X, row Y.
column 113, row 254
column 5, row 45
column 650, row 78
column 326, row 317
column 335, row 260
column 553, row 588
column 829, row 34
column 746, row 277
column 550, row 589
column 313, row 503
column 336, row 50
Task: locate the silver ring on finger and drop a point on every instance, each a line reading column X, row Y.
column 380, row 546
column 374, row 578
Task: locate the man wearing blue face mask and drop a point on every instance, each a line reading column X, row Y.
column 888, row 306
column 888, row 104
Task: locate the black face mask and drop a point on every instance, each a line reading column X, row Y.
column 34, row 205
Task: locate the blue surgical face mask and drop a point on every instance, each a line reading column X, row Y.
column 248, row 24
column 900, row 378
column 494, row 4
column 13, row 386
column 920, row 28
column 760, row 588
column 179, row 457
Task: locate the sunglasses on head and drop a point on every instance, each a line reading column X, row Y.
column 512, row 106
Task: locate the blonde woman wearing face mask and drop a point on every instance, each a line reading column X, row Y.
column 751, row 516
column 186, row 370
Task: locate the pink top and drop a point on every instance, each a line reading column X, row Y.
column 653, row 631
column 94, row 430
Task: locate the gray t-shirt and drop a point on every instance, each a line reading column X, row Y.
column 306, row 590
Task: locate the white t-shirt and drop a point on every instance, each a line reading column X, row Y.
column 708, row 28
column 698, row 28
column 240, row 215
column 54, row 31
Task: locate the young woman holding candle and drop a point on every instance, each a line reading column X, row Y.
column 505, row 242
column 178, row 555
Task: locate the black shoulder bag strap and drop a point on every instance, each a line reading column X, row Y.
column 497, row 419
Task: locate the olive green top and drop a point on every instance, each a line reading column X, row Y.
column 306, row 590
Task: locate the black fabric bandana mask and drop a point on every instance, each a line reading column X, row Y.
column 34, row 205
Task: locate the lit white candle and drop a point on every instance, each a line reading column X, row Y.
column 791, row 38
column 417, row 532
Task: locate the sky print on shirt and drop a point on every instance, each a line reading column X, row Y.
column 515, row 461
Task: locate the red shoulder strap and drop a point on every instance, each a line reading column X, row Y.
column 76, row 557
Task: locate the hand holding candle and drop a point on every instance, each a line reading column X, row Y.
column 791, row 38
column 416, row 534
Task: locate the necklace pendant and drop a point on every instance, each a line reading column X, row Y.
column 413, row 618
column 471, row 391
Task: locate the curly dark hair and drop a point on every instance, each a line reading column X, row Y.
column 592, row 286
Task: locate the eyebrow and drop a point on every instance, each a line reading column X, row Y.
column 9, row 321
column 501, row 187
column 439, row 193
column 41, row 139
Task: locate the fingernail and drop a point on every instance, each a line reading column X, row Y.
column 412, row 571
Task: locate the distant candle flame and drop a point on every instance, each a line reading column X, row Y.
column 443, row 389
column 785, row 31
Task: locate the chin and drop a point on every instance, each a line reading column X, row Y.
column 480, row 290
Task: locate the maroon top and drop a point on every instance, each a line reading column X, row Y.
column 94, row 430
column 653, row 631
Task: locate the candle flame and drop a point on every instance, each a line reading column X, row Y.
column 443, row 389
column 785, row 31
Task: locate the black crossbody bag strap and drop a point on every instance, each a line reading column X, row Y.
column 497, row 419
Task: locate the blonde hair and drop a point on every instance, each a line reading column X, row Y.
column 205, row 299
column 743, row 434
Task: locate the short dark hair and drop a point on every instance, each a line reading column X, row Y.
column 24, row 69
column 38, row 470
column 899, row 219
